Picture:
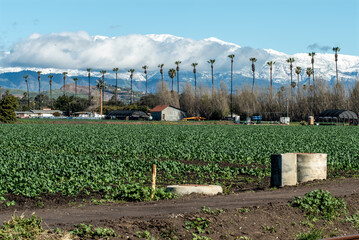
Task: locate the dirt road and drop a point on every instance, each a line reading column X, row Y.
column 84, row 213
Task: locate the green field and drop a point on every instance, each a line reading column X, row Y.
column 116, row 160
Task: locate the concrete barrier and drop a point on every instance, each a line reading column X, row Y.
column 283, row 169
column 291, row 168
column 194, row 188
column 311, row 166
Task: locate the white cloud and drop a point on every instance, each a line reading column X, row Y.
column 79, row 50
column 76, row 51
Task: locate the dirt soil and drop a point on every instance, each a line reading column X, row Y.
column 263, row 214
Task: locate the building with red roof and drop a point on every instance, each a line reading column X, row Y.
column 167, row 113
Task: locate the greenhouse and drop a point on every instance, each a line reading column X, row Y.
column 335, row 116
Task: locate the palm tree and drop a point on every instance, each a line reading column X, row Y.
column 178, row 63
column 290, row 61
column 312, row 54
column 309, row 72
column 253, row 60
column 298, row 71
column 28, row 94
column 103, row 72
column 172, row 74
column 100, row 86
column 161, row 71
column 195, row 77
column 116, row 71
column 39, row 79
column 131, row 76
column 145, row 67
column 212, row 61
column 75, row 79
column 89, row 75
column 231, row 56
column 270, row 64
column 64, row 73
column 52, row 104
column 336, row 50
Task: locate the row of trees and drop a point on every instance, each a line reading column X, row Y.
column 269, row 103
column 175, row 72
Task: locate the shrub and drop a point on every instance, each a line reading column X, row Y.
column 21, row 228
column 312, row 235
column 8, row 105
column 320, row 204
column 89, row 231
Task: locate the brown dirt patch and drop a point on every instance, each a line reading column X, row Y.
column 254, row 214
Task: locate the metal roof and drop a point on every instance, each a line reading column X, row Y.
column 125, row 113
column 45, row 111
column 339, row 114
column 160, row 108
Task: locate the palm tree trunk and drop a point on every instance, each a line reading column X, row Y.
column 195, row 85
column 172, row 84
column 52, row 101
column 64, row 86
column 89, row 89
column 271, row 84
column 212, row 81
column 298, row 87
column 232, row 88
column 103, row 89
column 178, row 82
column 39, row 95
column 162, row 80
column 28, row 96
column 116, row 89
column 146, row 83
column 131, row 93
column 101, row 101
column 75, row 89
column 291, row 80
column 313, row 75
column 336, row 70
column 253, row 81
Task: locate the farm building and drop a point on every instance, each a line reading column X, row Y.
column 37, row 113
column 335, row 116
column 167, row 113
column 44, row 113
column 88, row 115
column 127, row 115
column 23, row 114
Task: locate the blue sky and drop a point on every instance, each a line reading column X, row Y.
column 284, row 25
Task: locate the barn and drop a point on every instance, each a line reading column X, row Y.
column 336, row 116
column 167, row 113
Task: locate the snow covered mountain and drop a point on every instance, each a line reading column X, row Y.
column 74, row 52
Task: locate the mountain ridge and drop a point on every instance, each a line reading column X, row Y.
column 153, row 49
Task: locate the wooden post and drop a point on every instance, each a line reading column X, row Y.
column 154, row 171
